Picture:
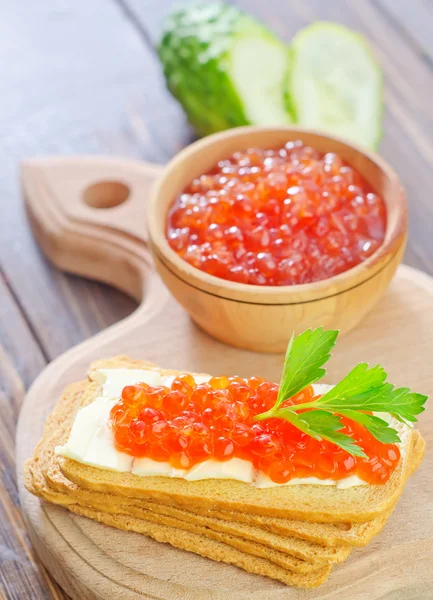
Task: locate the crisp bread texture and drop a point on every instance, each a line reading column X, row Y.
column 257, row 543
column 324, row 534
column 310, row 503
column 203, row 546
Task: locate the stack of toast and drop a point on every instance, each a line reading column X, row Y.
column 294, row 534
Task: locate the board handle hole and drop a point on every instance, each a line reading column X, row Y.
column 106, row 194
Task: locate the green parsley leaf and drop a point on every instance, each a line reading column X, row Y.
column 401, row 403
column 322, row 425
column 379, row 428
column 364, row 390
column 360, row 380
column 304, row 358
column 327, row 426
column 298, row 421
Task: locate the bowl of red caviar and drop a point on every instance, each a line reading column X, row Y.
column 260, row 232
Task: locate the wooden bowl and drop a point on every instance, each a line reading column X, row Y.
column 262, row 318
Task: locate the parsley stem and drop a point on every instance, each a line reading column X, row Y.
column 266, row 415
column 295, row 407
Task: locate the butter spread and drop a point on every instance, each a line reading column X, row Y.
column 91, row 440
column 235, row 468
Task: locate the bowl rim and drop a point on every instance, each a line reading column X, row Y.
column 395, row 235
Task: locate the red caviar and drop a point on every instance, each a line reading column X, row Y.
column 190, row 423
column 282, row 216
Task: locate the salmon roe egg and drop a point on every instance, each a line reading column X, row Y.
column 189, row 423
column 280, row 216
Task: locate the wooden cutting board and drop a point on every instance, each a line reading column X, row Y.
column 88, row 216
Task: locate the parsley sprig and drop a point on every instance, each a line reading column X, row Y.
column 363, row 391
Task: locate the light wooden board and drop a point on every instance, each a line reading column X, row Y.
column 93, row 561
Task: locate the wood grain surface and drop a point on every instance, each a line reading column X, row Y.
column 84, row 78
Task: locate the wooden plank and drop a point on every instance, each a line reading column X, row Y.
column 414, row 19
column 148, row 17
column 81, row 80
column 21, row 575
column 17, row 341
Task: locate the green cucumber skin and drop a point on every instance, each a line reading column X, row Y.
column 195, row 54
column 289, row 96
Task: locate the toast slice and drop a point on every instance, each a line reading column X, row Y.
column 210, row 548
column 320, row 504
column 230, row 521
column 282, row 559
column 199, row 544
column 232, row 526
column 193, row 542
column 255, row 537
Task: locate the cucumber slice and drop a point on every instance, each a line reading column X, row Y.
column 258, row 65
column 224, row 67
column 335, row 84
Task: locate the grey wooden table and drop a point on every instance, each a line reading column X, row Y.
column 83, row 77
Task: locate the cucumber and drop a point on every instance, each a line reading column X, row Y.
column 334, row 84
column 225, row 68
